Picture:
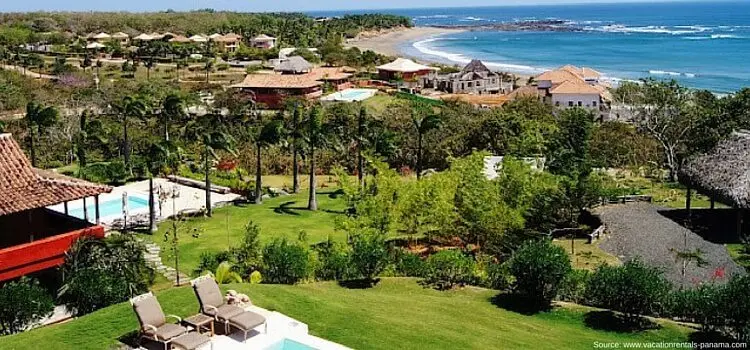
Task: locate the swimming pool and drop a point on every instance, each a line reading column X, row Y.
column 112, row 207
column 350, row 95
column 288, row 344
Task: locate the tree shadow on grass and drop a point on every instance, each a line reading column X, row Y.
column 364, row 283
column 518, row 303
column 131, row 339
column 286, row 208
column 613, row 322
column 710, row 337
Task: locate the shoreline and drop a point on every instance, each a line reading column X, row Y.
column 392, row 43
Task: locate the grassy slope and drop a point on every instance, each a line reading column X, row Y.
column 587, row 256
column 277, row 217
column 396, row 314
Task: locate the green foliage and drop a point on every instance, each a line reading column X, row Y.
column 539, row 268
column 426, row 208
column 448, row 268
column 225, row 275
column 209, row 261
column 499, row 276
column 408, row 264
column 22, row 303
column 573, row 287
column 702, row 305
column 99, row 273
column 369, row 255
column 246, row 257
column 333, row 261
column 308, row 55
column 256, row 277
column 569, row 148
column 286, row 262
column 633, row 289
column 111, row 173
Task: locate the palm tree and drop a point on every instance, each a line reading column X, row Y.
column 361, row 120
column 210, row 131
column 157, row 156
column 224, row 274
column 294, row 132
column 207, row 67
column 266, row 134
column 313, row 137
column 129, row 107
column 173, row 108
column 38, row 118
column 86, row 62
column 149, row 64
column 424, row 120
column 90, row 131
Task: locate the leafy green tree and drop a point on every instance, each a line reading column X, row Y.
column 38, row 119
column 369, row 255
column 247, row 255
column 91, row 132
column 426, row 207
column 569, row 150
column 101, row 272
column 22, row 303
column 540, row 268
column 286, row 262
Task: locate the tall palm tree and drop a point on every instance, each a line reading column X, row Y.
column 209, row 129
column 90, row 131
column 130, row 106
column 38, row 119
column 173, row 108
column 208, row 66
column 157, row 156
column 361, row 120
column 265, row 134
column 314, row 139
column 294, row 131
column 424, row 120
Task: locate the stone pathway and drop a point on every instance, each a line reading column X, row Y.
column 154, row 260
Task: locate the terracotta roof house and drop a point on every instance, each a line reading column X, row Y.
column 263, row 42
column 475, row 78
column 35, row 238
column 227, row 43
column 272, row 89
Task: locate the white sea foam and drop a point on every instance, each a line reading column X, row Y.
column 725, row 36
column 423, row 47
column 677, row 30
column 433, row 16
column 673, row 74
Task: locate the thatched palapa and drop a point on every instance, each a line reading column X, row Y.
column 723, row 173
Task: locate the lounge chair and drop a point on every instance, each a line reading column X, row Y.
column 212, row 304
column 153, row 322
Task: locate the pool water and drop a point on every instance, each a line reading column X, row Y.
column 112, row 207
column 287, row 344
column 350, row 95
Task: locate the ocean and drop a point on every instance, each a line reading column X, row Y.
column 704, row 45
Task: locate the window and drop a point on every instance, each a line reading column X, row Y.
column 479, row 83
column 557, row 103
column 570, row 103
column 580, row 103
column 471, row 84
column 593, row 103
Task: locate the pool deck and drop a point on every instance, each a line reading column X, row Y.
column 189, row 199
column 267, row 337
column 346, row 95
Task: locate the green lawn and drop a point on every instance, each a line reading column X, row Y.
column 587, row 256
column 397, row 314
column 277, row 217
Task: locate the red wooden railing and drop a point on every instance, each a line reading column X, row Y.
column 49, row 252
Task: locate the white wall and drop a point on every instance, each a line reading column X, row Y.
column 587, row 100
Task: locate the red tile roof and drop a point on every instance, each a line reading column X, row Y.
column 23, row 187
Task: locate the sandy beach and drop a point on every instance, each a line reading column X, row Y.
column 388, row 42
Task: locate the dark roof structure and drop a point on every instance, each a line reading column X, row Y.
column 23, row 187
column 723, row 173
column 475, row 66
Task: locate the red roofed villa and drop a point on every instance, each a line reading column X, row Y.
column 35, row 238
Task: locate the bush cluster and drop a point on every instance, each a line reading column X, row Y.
column 449, row 268
column 539, row 268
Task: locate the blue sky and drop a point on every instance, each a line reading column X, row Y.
column 258, row 5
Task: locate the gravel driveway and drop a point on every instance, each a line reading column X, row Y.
column 639, row 230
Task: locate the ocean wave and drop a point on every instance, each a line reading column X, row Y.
column 433, row 16
column 725, row 36
column 472, row 19
column 677, row 30
column 673, row 74
column 423, row 47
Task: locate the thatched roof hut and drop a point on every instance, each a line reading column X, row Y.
column 724, row 173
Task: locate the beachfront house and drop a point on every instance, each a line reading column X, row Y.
column 34, row 237
column 406, row 72
column 263, row 42
column 474, row 78
column 568, row 87
column 271, row 89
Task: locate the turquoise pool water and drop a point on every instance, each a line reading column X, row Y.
column 111, row 207
column 350, row 95
column 287, row 344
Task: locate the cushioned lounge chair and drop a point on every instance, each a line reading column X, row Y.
column 212, row 304
column 153, row 322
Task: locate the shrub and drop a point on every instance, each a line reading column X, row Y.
column 735, row 299
column 498, row 276
column 448, row 268
column 256, row 277
column 369, row 255
column 23, row 303
column 539, row 268
column 247, row 256
column 333, row 261
column 98, row 273
column 701, row 305
column 209, row 261
column 285, row 262
column 573, row 288
column 408, row 264
column 633, row 289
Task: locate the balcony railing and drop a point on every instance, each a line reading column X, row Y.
column 49, row 252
